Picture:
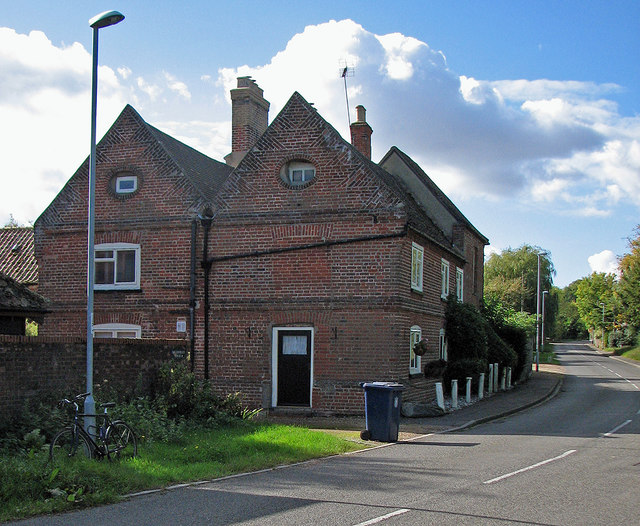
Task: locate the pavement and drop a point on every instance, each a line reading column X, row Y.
column 540, row 387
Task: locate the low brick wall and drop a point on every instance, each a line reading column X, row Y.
column 33, row 366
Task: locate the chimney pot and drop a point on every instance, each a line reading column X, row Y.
column 361, row 133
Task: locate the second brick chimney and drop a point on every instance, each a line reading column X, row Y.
column 249, row 118
column 361, row 133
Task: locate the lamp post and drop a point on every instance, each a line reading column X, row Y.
column 544, row 292
column 108, row 18
column 538, row 314
column 602, row 305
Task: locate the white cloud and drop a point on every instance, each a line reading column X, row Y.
column 44, row 118
column 177, row 86
column 605, row 261
column 543, row 140
column 153, row 91
column 124, row 72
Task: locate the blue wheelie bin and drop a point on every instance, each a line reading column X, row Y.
column 382, row 401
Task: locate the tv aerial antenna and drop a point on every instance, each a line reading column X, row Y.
column 346, row 71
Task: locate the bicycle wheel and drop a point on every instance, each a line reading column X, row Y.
column 121, row 442
column 68, row 444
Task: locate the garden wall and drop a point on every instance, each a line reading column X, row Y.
column 35, row 366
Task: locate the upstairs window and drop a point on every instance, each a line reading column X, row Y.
column 298, row 173
column 444, row 268
column 126, row 183
column 117, row 266
column 417, row 255
column 459, row 284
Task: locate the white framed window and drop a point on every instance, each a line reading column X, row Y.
column 417, row 256
column 117, row 330
column 442, row 345
column 414, row 360
column 444, row 268
column 300, row 172
column 117, row 266
column 459, row 284
column 126, row 184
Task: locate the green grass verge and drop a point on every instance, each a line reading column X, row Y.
column 633, row 353
column 547, row 355
column 31, row 485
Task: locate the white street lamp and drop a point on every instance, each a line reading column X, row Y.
column 108, row 18
column 544, row 292
column 538, row 314
column 602, row 305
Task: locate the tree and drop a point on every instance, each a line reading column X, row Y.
column 592, row 293
column 511, row 277
column 569, row 325
column 628, row 289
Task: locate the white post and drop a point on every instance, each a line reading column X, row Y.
column 439, row 395
column 454, row 394
column 509, row 378
column 495, row 376
column 490, row 387
column 468, row 393
column 481, row 387
column 503, row 380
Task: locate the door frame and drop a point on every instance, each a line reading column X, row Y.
column 274, row 361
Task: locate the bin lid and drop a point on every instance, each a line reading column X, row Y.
column 395, row 386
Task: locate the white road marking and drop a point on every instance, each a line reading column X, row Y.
column 502, row 477
column 382, row 518
column 617, row 428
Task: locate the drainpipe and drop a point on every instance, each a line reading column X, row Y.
column 206, row 221
column 192, row 295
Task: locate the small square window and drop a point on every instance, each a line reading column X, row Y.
column 126, row 184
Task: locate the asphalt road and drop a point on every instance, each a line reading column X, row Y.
column 574, row 460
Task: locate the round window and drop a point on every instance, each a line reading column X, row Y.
column 298, row 173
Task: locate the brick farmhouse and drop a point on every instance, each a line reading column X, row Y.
column 296, row 270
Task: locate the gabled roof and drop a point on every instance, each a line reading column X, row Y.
column 16, row 298
column 297, row 108
column 206, row 174
column 17, row 258
column 433, row 188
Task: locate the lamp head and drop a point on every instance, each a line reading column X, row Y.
column 108, row 18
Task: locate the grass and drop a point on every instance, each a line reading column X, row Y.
column 633, row 353
column 547, row 355
column 31, row 485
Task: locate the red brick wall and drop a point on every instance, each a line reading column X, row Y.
column 31, row 367
column 157, row 217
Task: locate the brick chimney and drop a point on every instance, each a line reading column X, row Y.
column 361, row 133
column 249, row 118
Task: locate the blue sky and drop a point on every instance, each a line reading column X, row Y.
column 527, row 113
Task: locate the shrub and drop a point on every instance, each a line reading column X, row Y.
column 466, row 335
column 622, row 337
column 460, row 370
column 434, row 368
column 499, row 351
column 517, row 338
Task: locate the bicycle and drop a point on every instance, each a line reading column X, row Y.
column 113, row 439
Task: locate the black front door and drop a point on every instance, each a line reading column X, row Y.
column 294, row 367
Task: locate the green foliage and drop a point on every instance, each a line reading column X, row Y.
column 629, row 285
column 466, row 336
column 499, row 351
column 511, row 277
column 622, row 337
column 591, row 293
